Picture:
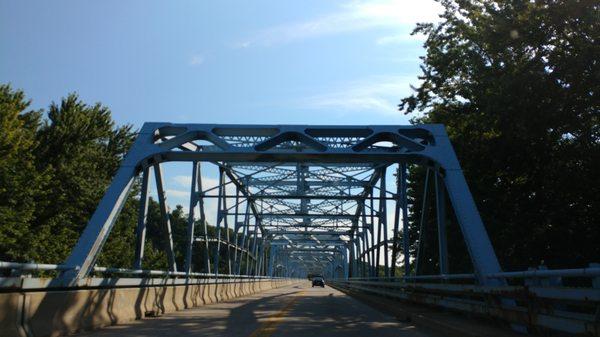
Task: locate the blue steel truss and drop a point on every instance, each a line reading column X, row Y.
column 307, row 198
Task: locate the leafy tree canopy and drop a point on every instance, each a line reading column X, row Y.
column 20, row 184
column 516, row 84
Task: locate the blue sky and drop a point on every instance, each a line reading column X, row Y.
column 308, row 62
column 322, row 62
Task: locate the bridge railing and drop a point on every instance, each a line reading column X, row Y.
column 536, row 299
column 532, row 274
column 20, row 267
column 20, row 275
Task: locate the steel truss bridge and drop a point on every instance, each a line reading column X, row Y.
column 295, row 200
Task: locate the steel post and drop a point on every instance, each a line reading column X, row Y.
column 440, row 197
column 164, row 213
column 140, row 232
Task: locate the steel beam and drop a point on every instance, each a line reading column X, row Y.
column 142, row 219
column 297, row 149
column 422, row 222
column 203, row 220
column 191, row 221
column 86, row 251
column 405, row 231
column 220, row 216
column 440, row 197
column 164, row 214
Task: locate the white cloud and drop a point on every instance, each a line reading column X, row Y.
column 196, row 60
column 378, row 94
column 177, row 194
column 397, row 15
column 212, row 183
column 183, row 181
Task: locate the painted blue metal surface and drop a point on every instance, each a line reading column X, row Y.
column 323, row 185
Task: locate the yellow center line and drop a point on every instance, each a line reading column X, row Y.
column 268, row 327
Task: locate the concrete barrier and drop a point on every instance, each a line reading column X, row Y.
column 48, row 312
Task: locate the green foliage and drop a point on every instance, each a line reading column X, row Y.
column 53, row 173
column 118, row 251
column 516, row 84
column 20, row 183
column 81, row 147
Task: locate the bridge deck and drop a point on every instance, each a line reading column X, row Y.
column 290, row 311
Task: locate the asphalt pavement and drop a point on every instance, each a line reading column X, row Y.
column 293, row 311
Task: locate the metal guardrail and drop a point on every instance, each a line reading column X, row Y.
column 537, row 273
column 543, row 273
column 60, row 267
column 419, row 277
column 126, row 278
column 542, row 304
column 34, row 266
column 173, row 274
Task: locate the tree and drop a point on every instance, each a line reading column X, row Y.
column 82, row 148
column 516, row 84
column 53, row 173
column 20, row 183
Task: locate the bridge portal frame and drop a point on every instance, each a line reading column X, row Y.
column 426, row 145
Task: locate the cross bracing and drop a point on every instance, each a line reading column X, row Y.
column 293, row 198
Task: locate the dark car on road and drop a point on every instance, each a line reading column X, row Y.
column 318, row 281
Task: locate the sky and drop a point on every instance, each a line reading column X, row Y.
column 250, row 62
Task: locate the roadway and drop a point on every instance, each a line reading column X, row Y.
column 291, row 311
